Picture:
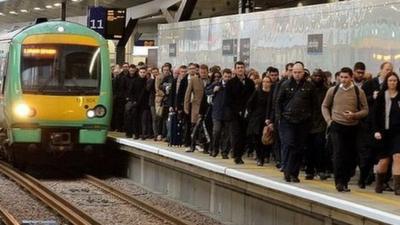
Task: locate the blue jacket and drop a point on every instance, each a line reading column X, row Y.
column 218, row 100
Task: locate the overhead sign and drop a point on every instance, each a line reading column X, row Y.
column 97, row 19
column 115, row 26
column 172, row 50
column 110, row 23
column 229, row 47
column 315, row 43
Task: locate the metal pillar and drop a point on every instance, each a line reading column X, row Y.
column 63, row 10
column 120, row 49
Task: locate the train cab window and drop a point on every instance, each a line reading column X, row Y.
column 60, row 69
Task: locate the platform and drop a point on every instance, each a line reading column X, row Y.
column 309, row 196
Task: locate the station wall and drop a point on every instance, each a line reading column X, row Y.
column 327, row 36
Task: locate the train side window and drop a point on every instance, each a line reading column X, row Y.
column 3, row 64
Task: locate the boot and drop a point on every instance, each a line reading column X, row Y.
column 380, row 178
column 396, row 180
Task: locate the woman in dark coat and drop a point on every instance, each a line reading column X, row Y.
column 386, row 124
column 259, row 102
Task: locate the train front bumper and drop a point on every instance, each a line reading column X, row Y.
column 59, row 136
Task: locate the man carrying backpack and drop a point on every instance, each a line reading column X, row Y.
column 343, row 108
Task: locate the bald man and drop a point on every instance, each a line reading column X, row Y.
column 294, row 109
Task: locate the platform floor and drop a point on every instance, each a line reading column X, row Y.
column 386, row 202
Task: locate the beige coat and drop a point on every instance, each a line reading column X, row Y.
column 195, row 88
column 159, row 95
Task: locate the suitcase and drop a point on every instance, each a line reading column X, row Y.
column 175, row 124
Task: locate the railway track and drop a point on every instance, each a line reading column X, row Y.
column 60, row 205
column 7, row 218
column 69, row 211
column 155, row 211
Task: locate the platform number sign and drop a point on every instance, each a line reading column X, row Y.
column 110, row 23
column 97, row 19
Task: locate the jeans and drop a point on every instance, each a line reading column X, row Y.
column 293, row 142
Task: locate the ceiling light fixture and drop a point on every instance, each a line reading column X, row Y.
column 13, row 12
column 37, row 8
column 24, row 10
column 57, row 4
column 2, row 14
column 49, row 6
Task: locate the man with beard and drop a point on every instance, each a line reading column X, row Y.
column 359, row 74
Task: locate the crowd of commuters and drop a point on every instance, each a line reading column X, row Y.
column 326, row 126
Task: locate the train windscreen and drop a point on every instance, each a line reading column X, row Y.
column 60, row 69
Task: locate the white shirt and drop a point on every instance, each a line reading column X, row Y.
column 346, row 89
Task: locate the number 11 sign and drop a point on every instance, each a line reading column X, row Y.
column 97, row 19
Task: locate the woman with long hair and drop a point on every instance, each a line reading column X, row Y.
column 386, row 121
column 259, row 102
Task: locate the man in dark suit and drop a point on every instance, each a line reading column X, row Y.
column 237, row 92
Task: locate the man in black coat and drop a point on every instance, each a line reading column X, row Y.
column 217, row 91
column 237, row 91
column 119, row 98
column 294, row 110
column 136, row 102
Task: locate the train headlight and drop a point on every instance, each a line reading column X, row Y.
column 90, row 113
column 24, row 111
column 100, row 111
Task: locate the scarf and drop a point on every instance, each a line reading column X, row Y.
column 388, row 105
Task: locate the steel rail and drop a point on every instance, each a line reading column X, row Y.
column 153, row 210
column 8, row 219
column 57, row 203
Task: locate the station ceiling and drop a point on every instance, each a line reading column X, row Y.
column 15, row 11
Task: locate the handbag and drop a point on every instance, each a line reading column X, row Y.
column 267, row 137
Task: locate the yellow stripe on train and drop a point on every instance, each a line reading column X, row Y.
column 60, row 108
column 60, row 39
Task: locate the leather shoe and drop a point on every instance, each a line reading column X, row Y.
column 260, row 163
column 224, row 156
column 340, row 187
column 214, row 154
column 294, row 179
column 286, row 177
column 238, row 161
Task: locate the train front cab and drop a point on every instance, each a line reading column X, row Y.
column 57, row 89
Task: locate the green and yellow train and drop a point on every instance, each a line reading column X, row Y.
column 55, row 88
